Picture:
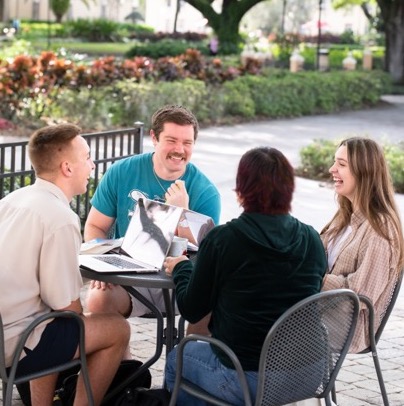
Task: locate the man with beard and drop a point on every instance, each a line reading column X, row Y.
column 165, row 175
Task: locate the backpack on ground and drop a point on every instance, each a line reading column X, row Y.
column 66, row 386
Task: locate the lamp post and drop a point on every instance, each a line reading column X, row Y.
column 49, row 25
column 283, row 17
column 320, row 5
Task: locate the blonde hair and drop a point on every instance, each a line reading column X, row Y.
column 374, row 194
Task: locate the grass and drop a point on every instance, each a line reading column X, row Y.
column 96, row 48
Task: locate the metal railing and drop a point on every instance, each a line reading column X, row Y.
column 106, row 148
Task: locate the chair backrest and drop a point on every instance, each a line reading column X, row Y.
column 305, row 348
column 3, row 372
column 9, row 375
column 390, row 306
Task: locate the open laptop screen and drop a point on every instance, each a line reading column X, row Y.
column 151, row 231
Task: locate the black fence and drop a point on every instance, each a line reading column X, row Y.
column 106, row 148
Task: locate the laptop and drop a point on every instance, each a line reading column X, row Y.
column 145, row 244
column 198, row 226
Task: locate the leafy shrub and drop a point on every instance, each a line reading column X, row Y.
column 126, row 101
column 238, row 99
column 318, row 157
column 395, row 159
column 30, row 85
column 18, row 47
column 35, row 30
column 348, row 37
column 158, row 36
column 165, row 48
column 97, row 30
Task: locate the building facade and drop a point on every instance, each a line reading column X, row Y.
column 159, row 14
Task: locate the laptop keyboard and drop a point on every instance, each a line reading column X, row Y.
column 119, row 262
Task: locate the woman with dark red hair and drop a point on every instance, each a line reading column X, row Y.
column 247, row 273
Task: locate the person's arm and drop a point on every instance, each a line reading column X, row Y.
column 208, row 203
column 372, row 269
column 97, row 225
column 196, row 286
column 60, row 280
column 74, row 306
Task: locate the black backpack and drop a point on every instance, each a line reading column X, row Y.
column 66, row 386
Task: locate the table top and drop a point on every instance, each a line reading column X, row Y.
column 145, row 280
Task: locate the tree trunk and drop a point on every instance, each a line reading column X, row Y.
column 1, row 10
column 226, row 28
column 177, row 11
column 393, row 15
column 226, row 24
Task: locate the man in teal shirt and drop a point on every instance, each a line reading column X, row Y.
column 164, row 175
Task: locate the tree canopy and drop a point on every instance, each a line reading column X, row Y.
column 226, row 23
column 391, row 23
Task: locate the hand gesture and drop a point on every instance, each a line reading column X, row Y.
column 177, row 195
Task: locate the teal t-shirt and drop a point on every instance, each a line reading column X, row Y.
column 131, row 178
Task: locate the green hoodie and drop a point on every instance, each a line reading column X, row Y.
column 247, row 273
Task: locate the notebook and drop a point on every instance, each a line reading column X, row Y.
column 146, row 241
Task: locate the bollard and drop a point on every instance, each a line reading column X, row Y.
column 349, row 63
column 367, row 59
column 296, row 62
column 323, row 60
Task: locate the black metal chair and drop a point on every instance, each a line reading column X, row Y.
column 301, row 355
column 9, row 378
column 375, row 337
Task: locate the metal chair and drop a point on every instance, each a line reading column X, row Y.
column 300, row 357
column 375, row 337
column 9, row 377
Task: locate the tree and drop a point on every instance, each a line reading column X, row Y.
column 1, row 10
column 392, row 24
column 227, row 23
column 393, row 20
column 177, row 11
column 59, row 8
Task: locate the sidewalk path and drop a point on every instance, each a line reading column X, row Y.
column 217, row 152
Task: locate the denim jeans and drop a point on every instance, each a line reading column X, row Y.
column 202, row 367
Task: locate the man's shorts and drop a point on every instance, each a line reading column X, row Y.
column 155, row 296
column 58, row 344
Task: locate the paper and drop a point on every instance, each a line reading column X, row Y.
column 100, row 245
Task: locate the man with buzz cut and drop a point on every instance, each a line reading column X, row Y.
column 40, row 241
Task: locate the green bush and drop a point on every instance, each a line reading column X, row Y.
column 127, row 101
column 276, row 96
column 281, row 94
column 36, row 30
column 318, row 157
column 395, row 159
column 164, row 48
column 97, row 30
column 286, row 94
column 237, row 99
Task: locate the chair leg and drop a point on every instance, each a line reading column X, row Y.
column 3, row 391
column 334, row 394
column 380, row 378
column 8, row 395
